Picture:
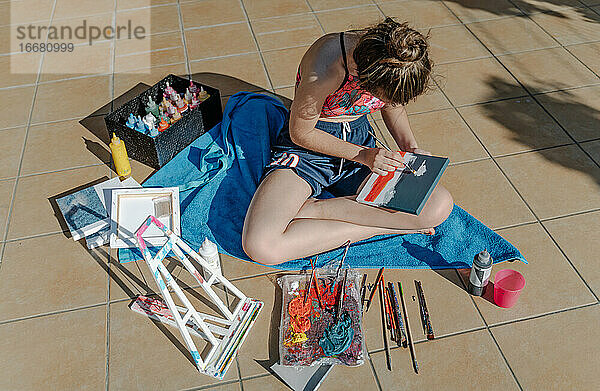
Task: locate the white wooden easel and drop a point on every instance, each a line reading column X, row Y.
column 224, row 335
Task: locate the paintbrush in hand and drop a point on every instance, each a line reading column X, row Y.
column 388, row 148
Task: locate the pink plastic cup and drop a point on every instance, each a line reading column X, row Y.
column 507, row 287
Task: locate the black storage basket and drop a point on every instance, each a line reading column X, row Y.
column 157, row 151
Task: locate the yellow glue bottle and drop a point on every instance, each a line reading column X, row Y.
column 119, row 154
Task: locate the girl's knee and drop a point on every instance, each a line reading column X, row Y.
column 261, row 249
column 439, row 209
column 444, row 206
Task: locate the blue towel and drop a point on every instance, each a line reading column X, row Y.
column 219, row 172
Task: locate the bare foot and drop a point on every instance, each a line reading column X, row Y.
column 428, row 231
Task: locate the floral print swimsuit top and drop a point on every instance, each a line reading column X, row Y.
column 349, row 99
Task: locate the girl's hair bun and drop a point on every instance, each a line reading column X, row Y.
column 393, row 61
column 407, row 44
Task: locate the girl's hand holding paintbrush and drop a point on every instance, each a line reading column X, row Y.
column 380, row 160
column 383, row 161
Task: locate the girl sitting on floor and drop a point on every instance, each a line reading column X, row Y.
column 327, row 144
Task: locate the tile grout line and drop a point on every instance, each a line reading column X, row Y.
column 62, row 170
column 314, row 15
column 293, row 29
column 537, row 316
column 373, row 370
column 556, row 40
column 569, row 215
column 444, row 336
column 212, row 385
column 184, row 41
column 41, row 235
column 14, row 192
column 131, row 54
column 505, row 174
column 516, row 225
column 487, row 327
column 517, row 153
column 57, row 312
column 260, row 52
column 110, row 175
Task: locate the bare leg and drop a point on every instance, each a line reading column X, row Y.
column 273, row 234
column 436, row 210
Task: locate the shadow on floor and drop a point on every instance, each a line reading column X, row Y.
column 516, row 121
column 547, row 6
column 488, row 292
column 273, row 342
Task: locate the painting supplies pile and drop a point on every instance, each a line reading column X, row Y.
column 160, row 122
column 173, row 106
column 321, row 320
column 394, row 317
column 224, row 335
column 86, row 211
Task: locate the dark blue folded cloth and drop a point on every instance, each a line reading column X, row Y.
column 219, row 172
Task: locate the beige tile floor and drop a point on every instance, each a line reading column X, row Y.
column 515, row 107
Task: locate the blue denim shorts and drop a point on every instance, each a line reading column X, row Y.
column 338, row 176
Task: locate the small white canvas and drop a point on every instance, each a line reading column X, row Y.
column 131, row 207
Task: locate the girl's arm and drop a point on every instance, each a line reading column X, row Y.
column 304, row 114
column 396, row 121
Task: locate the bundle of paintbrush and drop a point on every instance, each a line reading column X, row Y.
column 391, row 317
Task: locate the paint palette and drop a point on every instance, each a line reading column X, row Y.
column 131, row 207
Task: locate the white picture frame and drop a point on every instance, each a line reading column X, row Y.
column 131, row 207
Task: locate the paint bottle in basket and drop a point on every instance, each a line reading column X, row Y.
column 480, row 273
column 119, row 154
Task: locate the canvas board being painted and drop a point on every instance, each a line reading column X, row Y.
column 404, row 190
column 131, row 207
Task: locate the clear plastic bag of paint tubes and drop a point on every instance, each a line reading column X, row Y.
column 311, row 332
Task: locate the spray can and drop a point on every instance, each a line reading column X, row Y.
column 119, row 154
column 480, row 273
column 210, row 253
